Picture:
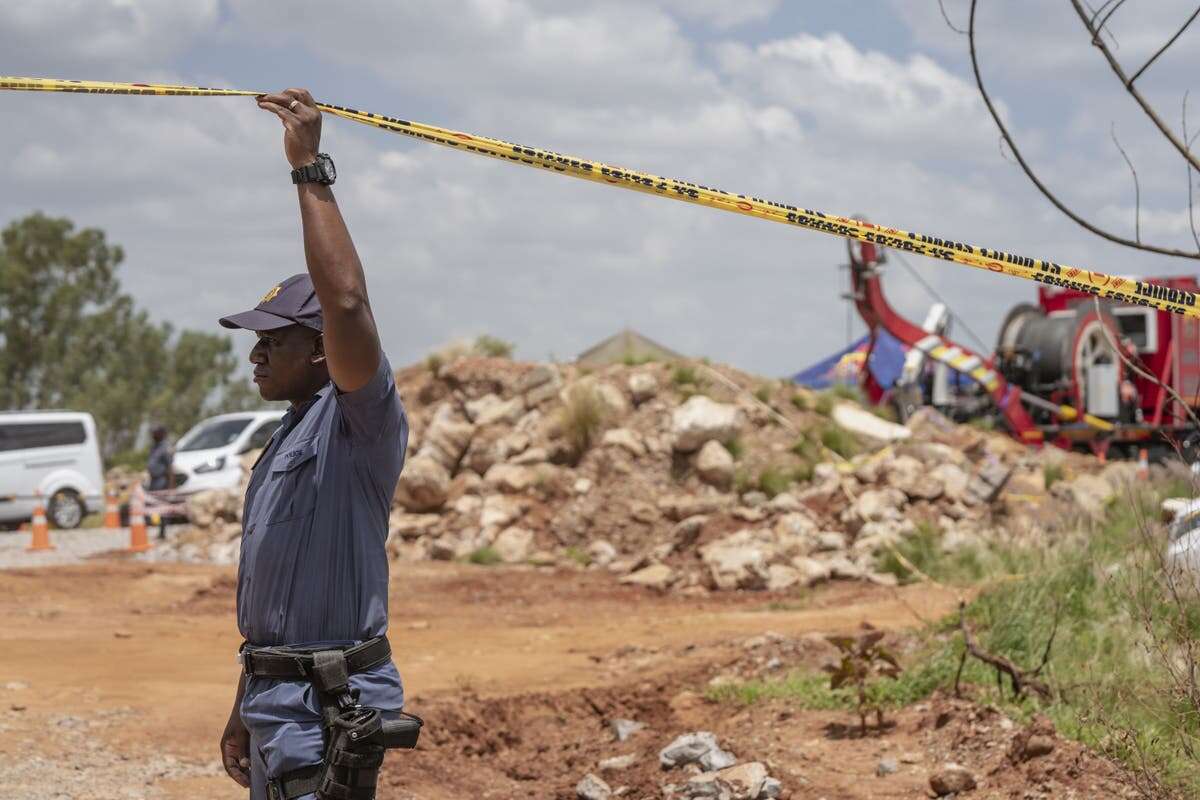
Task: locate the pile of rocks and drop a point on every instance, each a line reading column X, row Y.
column 688, row 477
column 664, row 493
column 710, row 771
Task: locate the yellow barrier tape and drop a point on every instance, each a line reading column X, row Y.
column 1122, row 290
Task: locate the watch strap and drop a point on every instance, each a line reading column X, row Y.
column 309, row 173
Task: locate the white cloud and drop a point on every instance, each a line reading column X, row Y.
column 722, row 14
column 47, row 35
column 914, row 106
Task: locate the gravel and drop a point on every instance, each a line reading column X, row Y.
column 70, row 547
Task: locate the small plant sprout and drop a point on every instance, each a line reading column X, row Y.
column 864, row 661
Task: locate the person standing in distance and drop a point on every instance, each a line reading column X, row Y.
column 313, row 572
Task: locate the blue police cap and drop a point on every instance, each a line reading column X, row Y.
column 291, row 302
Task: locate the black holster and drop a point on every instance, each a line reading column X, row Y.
column 355, row 735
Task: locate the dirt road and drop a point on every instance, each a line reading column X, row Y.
column 133, row 663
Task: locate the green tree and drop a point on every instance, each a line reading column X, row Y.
column 69, row 338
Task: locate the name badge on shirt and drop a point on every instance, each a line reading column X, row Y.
column 294, row 455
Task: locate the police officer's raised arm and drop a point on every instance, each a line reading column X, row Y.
column 351, row 339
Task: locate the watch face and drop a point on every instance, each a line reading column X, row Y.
column 326, row 165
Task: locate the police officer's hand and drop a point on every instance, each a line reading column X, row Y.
column 301, row 120
column 235, row 750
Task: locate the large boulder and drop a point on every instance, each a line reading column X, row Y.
column 859, row 421
column 513, row 545
column 951, row 779
column 740, row 560
column 447, row 437
column 626, row 439
column 744, row 781
column 424, row 484
column 701, row 420
column 591, row 787
column 700, row 747
column 655, row 576
column 540, row 384
column 681, row 506
column 642, row 386
column 499, row 412
column 986, row 485
column 511, row 478
column 953, row 479
column 913, row 478
column 714, row 465
column 874, row 505
column 499, row 511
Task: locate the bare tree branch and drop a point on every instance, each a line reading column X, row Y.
column 1012, row 146
column 1128, row 84
column 945, row 16
column 1188, row 166
column 1096, row 12
column 1163, row 49
column 1019, row 678
column 1104, row 22
column 1137, row 188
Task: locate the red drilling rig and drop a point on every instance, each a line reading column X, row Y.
column 1065, row 371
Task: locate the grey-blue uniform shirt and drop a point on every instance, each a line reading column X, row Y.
column 313, row 568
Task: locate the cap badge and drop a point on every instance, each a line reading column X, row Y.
column 269, row 296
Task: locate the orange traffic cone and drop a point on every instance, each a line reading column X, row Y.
column 41, row 530
column 138, row 541
column 1143, row 467
column 112, row 515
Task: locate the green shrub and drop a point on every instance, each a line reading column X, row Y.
column 840, row 441
column 583, row 417
column 686, row 375
column 493, row 347
column 823, row 405
column 807, row 448
column 631, row 360
column 803, row 472
column 578, row 555
column 484, row 556
column 846, row 391
column 774, row 480
column 1051, row 474
column 735, row 448
column 800, row 401
column 743, row 481
column 433, row 363
column 763, row 393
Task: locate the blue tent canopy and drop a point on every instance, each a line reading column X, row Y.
column 844, row 366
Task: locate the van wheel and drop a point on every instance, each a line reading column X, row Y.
column 66, row 509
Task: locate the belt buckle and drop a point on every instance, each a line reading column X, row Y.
column 274, row 790
column 247, row 666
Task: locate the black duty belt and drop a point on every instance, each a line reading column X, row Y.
column 288, row 664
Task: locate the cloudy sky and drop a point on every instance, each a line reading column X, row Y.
column 857, row 108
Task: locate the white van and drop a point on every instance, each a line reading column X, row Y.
column 54, row 454
column 207, row 456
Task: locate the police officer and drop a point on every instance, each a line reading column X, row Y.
column 313, row 572
column 158, row 463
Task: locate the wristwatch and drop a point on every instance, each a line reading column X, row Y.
column 320, row 171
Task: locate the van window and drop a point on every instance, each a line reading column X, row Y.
column 220, row 433
column 32, row 435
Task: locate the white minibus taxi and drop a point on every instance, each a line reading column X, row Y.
column 53, row 454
